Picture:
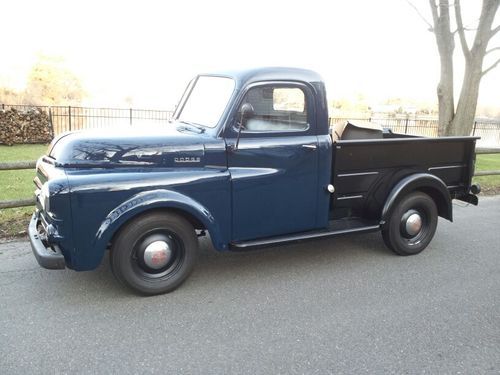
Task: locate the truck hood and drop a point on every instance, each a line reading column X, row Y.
column 172, row 145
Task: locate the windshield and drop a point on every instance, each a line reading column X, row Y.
column 205, row 101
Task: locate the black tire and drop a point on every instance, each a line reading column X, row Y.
column 399, row 235
column 128, row 252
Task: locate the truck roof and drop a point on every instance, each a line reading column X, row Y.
column 247, row 76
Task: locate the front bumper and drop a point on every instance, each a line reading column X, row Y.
column 47, row 256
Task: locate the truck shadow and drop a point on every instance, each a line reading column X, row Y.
column 312, row 255
column 222, row 270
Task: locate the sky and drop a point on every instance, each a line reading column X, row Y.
column 148, row 50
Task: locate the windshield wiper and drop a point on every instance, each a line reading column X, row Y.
column 193, row 125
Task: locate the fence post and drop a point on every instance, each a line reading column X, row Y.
column 474, row 128
column 406, row 125
column 130, row 113
column 69, row 116
column 50, row 121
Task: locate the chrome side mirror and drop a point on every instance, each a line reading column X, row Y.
column 246, row 112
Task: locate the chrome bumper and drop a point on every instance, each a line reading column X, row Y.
column 49, row 257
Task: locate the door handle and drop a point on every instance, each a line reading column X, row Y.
column 310, row 147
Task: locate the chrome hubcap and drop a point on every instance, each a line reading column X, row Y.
column 157, row 254
column 413, row 224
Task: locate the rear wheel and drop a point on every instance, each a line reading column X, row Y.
column 412, row 224
column 154, row 253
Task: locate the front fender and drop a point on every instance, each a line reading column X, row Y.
column 425, row 182
column 148, row 200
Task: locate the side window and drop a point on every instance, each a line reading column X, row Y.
column 276, row 109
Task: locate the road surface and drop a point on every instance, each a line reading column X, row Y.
column 344, row 305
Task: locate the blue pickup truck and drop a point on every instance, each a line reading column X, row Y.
column 250, row 159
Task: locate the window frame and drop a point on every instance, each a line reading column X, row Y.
column 309, row 108
column 189, row 90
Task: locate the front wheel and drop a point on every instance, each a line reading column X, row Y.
column 154, row 253
column 412, row 224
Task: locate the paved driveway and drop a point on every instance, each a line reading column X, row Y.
column 344, row 305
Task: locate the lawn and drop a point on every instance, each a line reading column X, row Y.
column 19, row 184
column 22, row 152
column 488, row 162
column 16, row 185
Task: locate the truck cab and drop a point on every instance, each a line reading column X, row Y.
column 249, row 158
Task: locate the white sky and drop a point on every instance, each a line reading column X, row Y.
column 148, row 50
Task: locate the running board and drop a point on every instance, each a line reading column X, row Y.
column 296, row 237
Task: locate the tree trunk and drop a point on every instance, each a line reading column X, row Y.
column 460, row 121
column 446, row 103
column 466, row 109
column 467, row 103
column 446, row 44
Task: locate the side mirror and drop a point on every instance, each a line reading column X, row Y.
column 246, row 112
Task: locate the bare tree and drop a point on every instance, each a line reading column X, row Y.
column 459, row 120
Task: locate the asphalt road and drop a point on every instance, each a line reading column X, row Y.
column 344, row 305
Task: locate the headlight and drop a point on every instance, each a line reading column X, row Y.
column 44, row 196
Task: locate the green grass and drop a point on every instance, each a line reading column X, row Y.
column 14, row 221
column 16, row 184
column 488, row 162
column 21, row 152
column 19, row 184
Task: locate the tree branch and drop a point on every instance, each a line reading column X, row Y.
column 494, row 31
column 431, row 27
column 461, row 31
column 491, row 67
column 491, row 50
column 434, row 10
column 465, row 29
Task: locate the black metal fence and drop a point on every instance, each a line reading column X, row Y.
column 67, row 118
column 488, row 131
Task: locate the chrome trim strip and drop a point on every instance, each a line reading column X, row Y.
column 356, row 174
column 311, row 147
column 447, row 167
column 349, row 197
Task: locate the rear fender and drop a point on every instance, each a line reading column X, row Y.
column 426, row 183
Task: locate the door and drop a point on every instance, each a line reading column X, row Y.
column 275, row 164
